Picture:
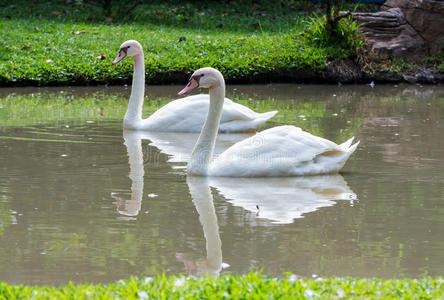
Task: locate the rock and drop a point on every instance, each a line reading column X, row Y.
column 426, row 75
column 388, row 34
column 426, row 17
column 406, row 29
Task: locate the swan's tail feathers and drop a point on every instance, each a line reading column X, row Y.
column 264, row 117
column 267, row 115
column 348, row 148
column 345, row 145
column 250, row 125
column 351, row 148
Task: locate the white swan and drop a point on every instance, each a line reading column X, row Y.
column 278, row 151
column 183, row 115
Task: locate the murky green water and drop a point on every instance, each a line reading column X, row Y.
column 81, row 201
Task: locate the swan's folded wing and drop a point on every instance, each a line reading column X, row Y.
column 182, row 115
column 232, row 111
column 277, row 151
column 188, row 115
column 235, row 111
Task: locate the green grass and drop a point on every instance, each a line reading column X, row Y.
column 250, row 286
column 59, row 44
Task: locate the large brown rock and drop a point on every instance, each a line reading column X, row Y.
column 407, row 29
column 426, row 17
column 389, row 34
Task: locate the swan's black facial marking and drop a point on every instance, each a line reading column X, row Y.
column 196, row 78
column 193, row 83
column 124, row 50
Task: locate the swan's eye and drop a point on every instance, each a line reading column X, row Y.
column 128, row 47
column 202, row 75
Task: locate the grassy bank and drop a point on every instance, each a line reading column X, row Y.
column 251, row 286
column 54, row 43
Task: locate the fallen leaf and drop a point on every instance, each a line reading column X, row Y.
column 101, row 56
column 79, row 32
column 182, row 39
column 118, row 33
column 25, row 47
column 49, row 60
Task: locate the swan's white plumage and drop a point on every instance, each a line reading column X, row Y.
column 278, row 151
column 282, row 151
column 188, row 115
column 183, row 115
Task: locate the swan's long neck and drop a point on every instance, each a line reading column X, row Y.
column 203, row 150
column 134, row 113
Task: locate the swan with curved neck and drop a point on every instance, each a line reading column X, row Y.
column 278, row 151
column 182, row 115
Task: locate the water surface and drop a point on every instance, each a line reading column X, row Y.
column 81, row 200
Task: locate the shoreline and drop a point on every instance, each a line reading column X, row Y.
column 424, row 75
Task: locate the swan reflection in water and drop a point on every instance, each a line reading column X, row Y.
column 176, row 145
column 203, row 201
column 279, row 200
column 180, row 145
column 283, row 199
column 130, row 208
column 198, row 187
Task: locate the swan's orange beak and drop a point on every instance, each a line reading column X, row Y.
column 192, row 84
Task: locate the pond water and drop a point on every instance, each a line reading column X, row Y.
column 81, row 201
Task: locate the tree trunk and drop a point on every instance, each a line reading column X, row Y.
column 332, row 14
